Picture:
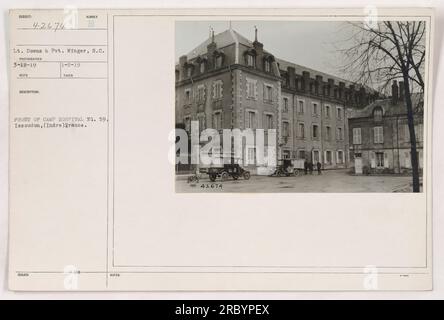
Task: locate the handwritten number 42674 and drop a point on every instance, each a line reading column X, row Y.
column 49, row 25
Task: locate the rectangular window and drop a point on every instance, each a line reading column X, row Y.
column 187, row 96
column 327, row 133
column 357, row 136
column 301, row 154
column 316, row 156
column 302, row 130
column 268, row 93
column 315, row 109
column 285, row 129
column 286, row 154
column 379, row 159
column 285, row 105
column 339, row 134
column 217, row 121
column 328, row 159
column 268, row 121
column 327, row 111
column 378, row 135
column 377, row 114
column 251, row 120
column 251, row 89
column 267, row 66
column 339, row 113
column 218, row 62
column 251, row 61
column 340, row 157
column 217, row 90
column 315, row 131
column 301, row 107
column 201, row 93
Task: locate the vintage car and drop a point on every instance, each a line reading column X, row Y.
column 227, row 170
column 288, row 167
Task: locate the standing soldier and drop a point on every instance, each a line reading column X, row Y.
column 319, row 167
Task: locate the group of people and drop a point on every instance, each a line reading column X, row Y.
column 309, row 167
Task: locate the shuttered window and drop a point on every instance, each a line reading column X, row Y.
column 357, row 136
column 378, row 135
column 250, row 120
column 251, row 89
column 217, row 89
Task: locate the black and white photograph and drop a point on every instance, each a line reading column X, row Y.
column 300, row 106
column 224, row 151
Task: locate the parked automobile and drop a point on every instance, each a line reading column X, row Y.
column 288, row 167
column 226, row 171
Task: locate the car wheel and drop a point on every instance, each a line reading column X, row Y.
column 212, row 177
column 224, row 176
column 246, row 175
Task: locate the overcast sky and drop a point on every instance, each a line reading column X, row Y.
column 311, row 44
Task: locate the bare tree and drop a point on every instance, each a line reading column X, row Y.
column 385, row 52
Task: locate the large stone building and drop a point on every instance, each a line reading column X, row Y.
column 230, row 82
column 379, row 134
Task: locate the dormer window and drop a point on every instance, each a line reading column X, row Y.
column 285, row 81
column 268, row 60
column 189, row 71
column 377, row 114
column 218, row 61
column 251, row 60
column 267, row 66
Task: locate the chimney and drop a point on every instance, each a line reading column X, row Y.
column 182, row 62
column 259, row 47
column 352, row 94
column 331, row 87
column 305, row 81
column 395, row 92
column 363, row 96
column 341, row 90
column 298, row 82
column 211, row 48
column 318, row 84
column 401, row 91
column 291, row 77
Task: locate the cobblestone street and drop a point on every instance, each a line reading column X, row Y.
column 339, row 181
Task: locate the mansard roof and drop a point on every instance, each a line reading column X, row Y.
column 283, row 65
column 223, row 39
column 231, row 36
column 390, row 109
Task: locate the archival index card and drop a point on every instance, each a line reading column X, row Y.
column 220, row 150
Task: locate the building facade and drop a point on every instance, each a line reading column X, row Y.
column 379, row 134
column 231, row 82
